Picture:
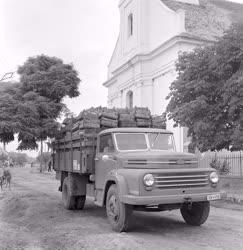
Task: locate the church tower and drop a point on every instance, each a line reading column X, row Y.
column 144, row 26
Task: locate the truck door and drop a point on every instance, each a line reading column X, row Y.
column 102, row 168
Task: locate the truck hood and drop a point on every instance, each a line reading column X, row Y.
column 158, row 159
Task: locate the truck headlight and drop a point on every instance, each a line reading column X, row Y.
column 148, row 180
column 214, row 178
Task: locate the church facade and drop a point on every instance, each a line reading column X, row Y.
column 152, row 35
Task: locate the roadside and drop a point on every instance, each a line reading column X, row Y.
column 233, row 201
column 233, row 186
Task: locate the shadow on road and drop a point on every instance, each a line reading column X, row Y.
column 141, row 221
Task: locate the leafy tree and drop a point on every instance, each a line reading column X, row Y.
column 31, row 107
column 45, row 81
column 207, row 96
column 18, row 158
column 8, row 116
column 3, row 157
column 44, row 159
column 49, row 77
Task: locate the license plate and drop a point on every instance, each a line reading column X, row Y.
column 213, row 197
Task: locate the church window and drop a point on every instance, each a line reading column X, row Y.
column 130, row 25
column 129, row 102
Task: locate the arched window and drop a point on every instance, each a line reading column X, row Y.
column 129, row 99
column 130, row 25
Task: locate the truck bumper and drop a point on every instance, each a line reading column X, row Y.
column 171, row 199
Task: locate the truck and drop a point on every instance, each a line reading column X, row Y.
column 125, row 169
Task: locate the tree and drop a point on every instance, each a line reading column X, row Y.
column 18, row 158
column 31, row 107
column 8, row 116
column 3, row 157
column 45, row 81
column 49, row 77
column 44, row 158
column 207, row 96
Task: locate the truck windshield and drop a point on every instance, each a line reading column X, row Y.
column 144, row 141
column 131, row 141
column 160, row 141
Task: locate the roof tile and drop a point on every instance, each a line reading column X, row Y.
column 210, row 19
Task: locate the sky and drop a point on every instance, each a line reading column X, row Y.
column 78, row 31
column 82, row 32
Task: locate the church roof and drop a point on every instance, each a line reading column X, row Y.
column 210, row 18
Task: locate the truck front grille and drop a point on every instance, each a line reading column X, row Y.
column 182, row 180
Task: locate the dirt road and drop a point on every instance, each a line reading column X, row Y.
column 32, row 217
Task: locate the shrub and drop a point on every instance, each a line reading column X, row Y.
column 223, row 168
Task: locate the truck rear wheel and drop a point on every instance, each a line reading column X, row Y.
column 67, row 199
column 197, row 214
column 79, row 202
column 118, row 213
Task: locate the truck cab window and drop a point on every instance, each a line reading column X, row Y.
column 106, row 144
column 131, row 141
column 160, row 141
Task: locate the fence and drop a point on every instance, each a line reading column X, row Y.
column 235, row 161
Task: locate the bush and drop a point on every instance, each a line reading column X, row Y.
column 223, row 168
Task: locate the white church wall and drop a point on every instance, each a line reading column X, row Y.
column 163, row 23
column 129, row 41
column 162, row 60
column 114, row 59
column 153, row 24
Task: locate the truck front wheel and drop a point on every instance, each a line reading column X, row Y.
column 79, row 202
column 67, row 198
column 196, row 213
column 118, row 213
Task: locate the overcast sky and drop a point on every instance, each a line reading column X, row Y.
column 77, row 31
column 82, row 32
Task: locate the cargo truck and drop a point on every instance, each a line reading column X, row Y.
column 127, row 169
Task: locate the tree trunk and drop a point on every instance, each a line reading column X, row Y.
column 4, row 146
column 41, row 165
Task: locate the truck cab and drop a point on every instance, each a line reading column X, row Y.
column 139, row 169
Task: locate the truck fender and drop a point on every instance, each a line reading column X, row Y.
column 121, row 184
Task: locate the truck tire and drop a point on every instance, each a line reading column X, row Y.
column 79, row 202
column 67, row 199
column 197, row 214
column 117, row 212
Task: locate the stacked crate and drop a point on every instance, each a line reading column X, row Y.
column 159, row 121
column 126, row 118
column 88, row 120
column 108, row 118
column 96, row 119
column 142, row 117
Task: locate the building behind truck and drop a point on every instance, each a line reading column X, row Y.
column 151, row 36
column 126, row 160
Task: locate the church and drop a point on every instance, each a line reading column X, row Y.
column 152, row 35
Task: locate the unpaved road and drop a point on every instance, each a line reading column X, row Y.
column 32, row 217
